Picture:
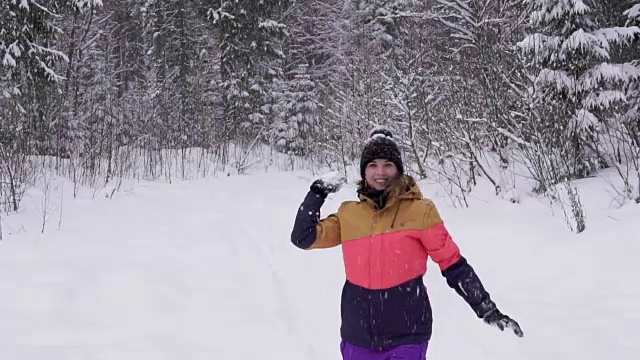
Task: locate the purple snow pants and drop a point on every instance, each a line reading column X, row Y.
column 400, row 352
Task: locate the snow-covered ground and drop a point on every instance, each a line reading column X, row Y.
column 205, row 270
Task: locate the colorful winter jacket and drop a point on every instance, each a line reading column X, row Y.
column 385, row 251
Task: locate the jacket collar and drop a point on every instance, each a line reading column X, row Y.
column 412, row 193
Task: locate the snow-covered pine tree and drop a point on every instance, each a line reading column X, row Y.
column 376, row 35
column 575, row 84
column 318, row 42
column 575, row 89
column 633, row 92
column 628, row 123
column 31, row 78
column 296, row 113
column 378, row 20
column 28, row 67
column 249, row 36
column 116, row 74
column 176, row 41
column 176, row 38
column 80, row 42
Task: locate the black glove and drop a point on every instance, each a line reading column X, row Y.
column 501, row 321
column 324, row 187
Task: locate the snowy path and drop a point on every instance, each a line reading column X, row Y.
column 205, row 270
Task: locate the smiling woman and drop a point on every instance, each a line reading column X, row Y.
column 379, row 173
column 386, row 238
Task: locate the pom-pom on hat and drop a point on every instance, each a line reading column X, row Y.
column 380, row 145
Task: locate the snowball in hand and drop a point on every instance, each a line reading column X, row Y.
column 329, row 183
column 334, row 179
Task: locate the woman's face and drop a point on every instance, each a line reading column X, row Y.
column 379, row 173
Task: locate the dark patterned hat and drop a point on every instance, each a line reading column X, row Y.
column 380, row 145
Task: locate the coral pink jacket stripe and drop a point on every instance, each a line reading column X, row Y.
column 386, row 260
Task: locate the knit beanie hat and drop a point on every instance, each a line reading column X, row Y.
column 380, row 145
